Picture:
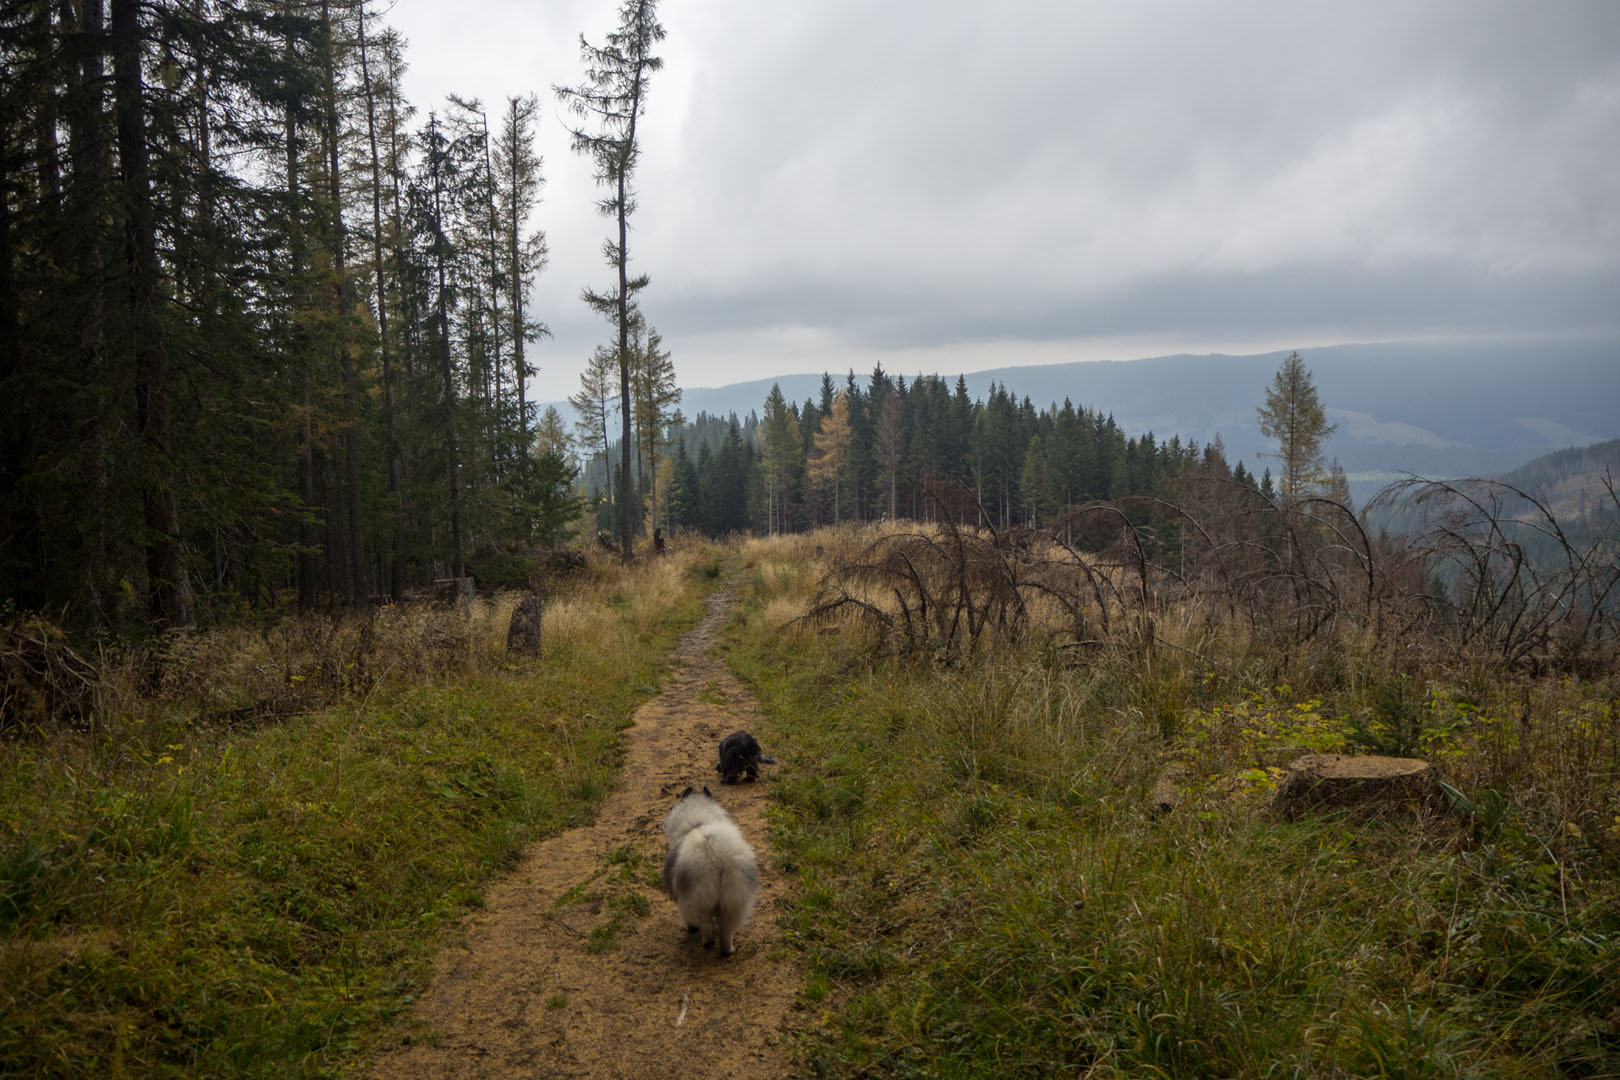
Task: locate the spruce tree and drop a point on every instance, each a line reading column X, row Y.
column 372, row 88
column 655, row 393
column 783, row 457
column 889, row 443
column 595, row 402
column 168, row 585
column 520, row 182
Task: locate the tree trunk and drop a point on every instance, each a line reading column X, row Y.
column 492, row 268
column 396, row 580
column 457, row 565
column 305, row 575
column 625, row 524
column 15, row 437
column 515, row 259
column 10, row 347
column 169, row 593
column 356, row 577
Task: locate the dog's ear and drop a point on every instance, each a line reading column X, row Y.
column 688, row 791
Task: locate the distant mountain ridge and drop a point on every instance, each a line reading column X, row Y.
column 1440, row 410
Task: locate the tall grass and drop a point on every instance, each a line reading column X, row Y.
column 987, row 889
column 190, row 889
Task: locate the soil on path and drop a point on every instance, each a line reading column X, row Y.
column 526, row 996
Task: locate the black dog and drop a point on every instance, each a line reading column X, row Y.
column 739, row 754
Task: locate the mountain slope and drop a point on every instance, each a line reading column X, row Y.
column 1573, row 483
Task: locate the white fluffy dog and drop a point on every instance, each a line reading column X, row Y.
column 710, row 871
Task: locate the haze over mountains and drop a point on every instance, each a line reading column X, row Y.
column 1441, row 410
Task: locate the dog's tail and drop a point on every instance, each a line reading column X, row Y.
column 734, row 902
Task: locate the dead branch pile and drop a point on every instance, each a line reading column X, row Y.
column 1294, row 573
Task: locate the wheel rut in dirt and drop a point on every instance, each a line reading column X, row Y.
column 579, row 966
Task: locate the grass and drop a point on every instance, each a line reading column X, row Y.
column 613, row 897
column 243, row 864
column 180, row 896
column 984, row 887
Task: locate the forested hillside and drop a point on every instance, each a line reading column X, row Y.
column 1438, row 410
column 263, row 334
column 871, row 451
column 1574, row 482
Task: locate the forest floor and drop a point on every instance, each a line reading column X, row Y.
column 579, row 967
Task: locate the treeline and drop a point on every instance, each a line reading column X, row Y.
column 263, row 330
column 866, row 452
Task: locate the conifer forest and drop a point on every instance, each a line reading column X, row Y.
column 263, row 334
column 880, row 448
column 265, row 343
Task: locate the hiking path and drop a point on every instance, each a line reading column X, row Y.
column 578, row 966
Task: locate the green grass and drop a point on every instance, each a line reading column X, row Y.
column 983, row 888
column 614, row 897
column 175, row 902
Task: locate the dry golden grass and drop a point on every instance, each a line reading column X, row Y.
column 571, row 620
column 248, row 673
column 784, row 571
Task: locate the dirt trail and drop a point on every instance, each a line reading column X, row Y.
column 523, row 997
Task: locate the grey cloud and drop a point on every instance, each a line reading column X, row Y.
column 1420, row 299
column 919, row 174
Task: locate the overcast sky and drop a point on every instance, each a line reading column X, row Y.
column 947, row 186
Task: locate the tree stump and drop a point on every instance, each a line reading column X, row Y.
column 523, row 632
column 1365, row 782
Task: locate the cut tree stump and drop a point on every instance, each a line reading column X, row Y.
column 1365, row 782
column 523, row 632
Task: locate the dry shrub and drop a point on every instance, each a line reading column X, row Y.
column 243, row 676
column 651, row 587
column 1523, row 587
column 423, row 641
column 239, row 675
column 784, row 571
column 795, row 554
column 784, row 612
column 44, row 683
column 597, row 608
column 1042, row 729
